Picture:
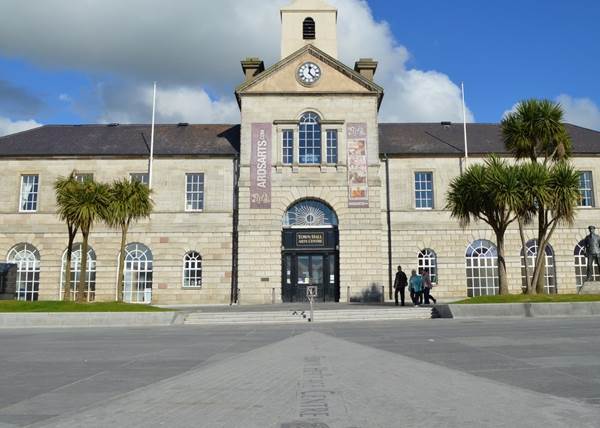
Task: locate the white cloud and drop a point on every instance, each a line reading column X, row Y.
column 8, row 126
column 194, row 47
column 177, row 104
column 580, row 111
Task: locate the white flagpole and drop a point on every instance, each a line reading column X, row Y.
column 150, row 163
column 465, row 124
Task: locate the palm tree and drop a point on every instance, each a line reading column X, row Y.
column 84, row 205
column 536, row 131
column 489, row 193
column 64, row 187
column 129, row 201
column 560, row 200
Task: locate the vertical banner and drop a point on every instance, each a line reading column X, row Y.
column 260, row 166
column 358, row 188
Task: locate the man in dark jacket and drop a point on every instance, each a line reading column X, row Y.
column 400, row 285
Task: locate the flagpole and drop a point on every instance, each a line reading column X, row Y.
column 465, row 124
column 151, row 162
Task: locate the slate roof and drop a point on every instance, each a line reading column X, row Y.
column 396, row 139
column 418, row 139
column 122, row 140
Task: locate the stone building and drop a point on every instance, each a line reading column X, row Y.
column 295, row 195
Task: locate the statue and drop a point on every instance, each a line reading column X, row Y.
column 592, row 252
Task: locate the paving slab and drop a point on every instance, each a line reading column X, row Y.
column 314, row 379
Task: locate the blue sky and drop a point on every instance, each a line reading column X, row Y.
column 73, row 68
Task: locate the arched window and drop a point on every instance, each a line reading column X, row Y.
column 550, row 274
column 310, row 213
column 309, row 30
column 90, row 292
column 482, row 269
column 192, row 270
column 427, row 259
column 138, row 274
column 310, row 139
column 27, row 259
column 581, row 265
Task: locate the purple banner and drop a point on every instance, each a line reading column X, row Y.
column 260, row 166
column 358, row 187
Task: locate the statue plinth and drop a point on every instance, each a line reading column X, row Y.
column 590, row 287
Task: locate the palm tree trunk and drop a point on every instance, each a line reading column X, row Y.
column 121, row 289
column 81, row 298
column 540, row 260
column 524, row 246
column 67, row 272
column 502, row 275
column 540, row 267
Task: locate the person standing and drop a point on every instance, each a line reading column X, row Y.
column 427, row 286
column 400, row 284
column 416, row 288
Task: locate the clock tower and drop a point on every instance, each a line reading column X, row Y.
column 308, row 22
column 310, row 193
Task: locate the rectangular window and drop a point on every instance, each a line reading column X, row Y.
column 424, row 190
column 288, row 147
column 332, row 146
column 194, row 192
column 586, row 189
column 29, row 193
column 82, row 178
column 310, row 143
column 141, row 177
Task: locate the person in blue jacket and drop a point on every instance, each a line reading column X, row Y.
column 416, row 288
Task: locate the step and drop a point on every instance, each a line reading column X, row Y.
column 285, row 317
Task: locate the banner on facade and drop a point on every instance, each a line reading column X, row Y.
column 260, row 166
column 358, row 188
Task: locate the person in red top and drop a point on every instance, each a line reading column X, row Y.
column 427, row 286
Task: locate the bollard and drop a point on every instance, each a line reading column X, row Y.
column 272, row 296
column 239, row 298
column 383, row 294
column 348, row 295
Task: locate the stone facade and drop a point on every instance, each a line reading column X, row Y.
column 170, row 233
column 277, row 98
column 414, row 230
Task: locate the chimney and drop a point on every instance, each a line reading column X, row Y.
column 252, row 67
column 366, row 67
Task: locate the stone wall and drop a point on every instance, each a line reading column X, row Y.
column 362, row 262
column 414, row 230
column 170, row 233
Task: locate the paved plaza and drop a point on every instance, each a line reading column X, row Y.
column 516, row 373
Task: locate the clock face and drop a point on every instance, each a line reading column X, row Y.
column 309, row 73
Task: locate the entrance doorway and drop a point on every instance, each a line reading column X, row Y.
column 310, row 255
column 302, row 270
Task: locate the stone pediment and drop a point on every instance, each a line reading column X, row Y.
column 336, row 77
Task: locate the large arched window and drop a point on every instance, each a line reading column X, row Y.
column 310, row 213
column 90, row 292
column 427, row 259
column 581, row 265
column 309, row 29
column 138, row 274
column 310, row 139
column 550, row 273
column 192, row 270
column 482, row 269
column 27, row 259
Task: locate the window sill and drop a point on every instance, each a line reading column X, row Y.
column 27, row 212
column 424, row 209
column 194, row 211
column 191, row 288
